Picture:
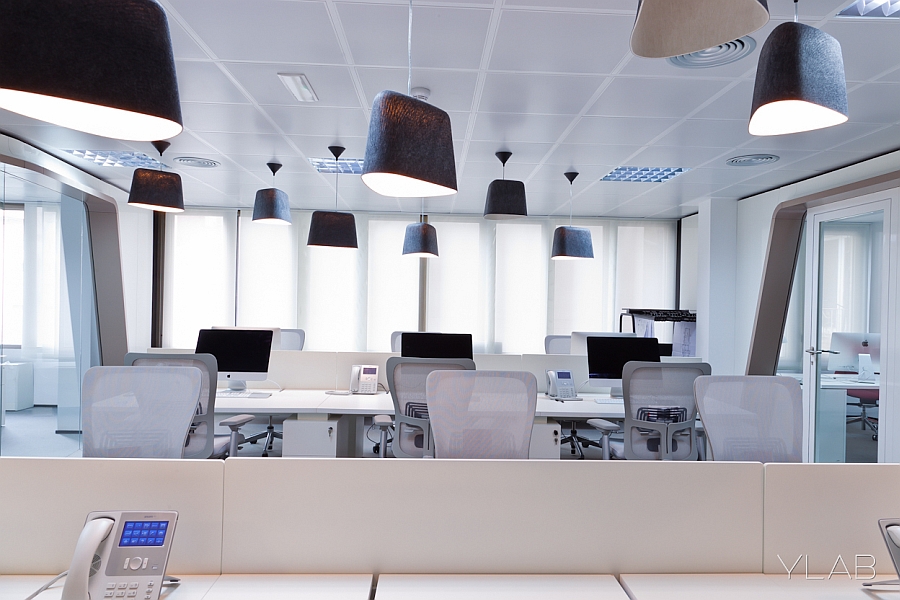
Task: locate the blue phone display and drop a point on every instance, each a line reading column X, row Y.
column 144, row 533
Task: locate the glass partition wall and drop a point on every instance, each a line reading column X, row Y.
column 48, row 323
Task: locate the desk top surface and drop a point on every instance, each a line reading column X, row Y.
column 220, row 587
column 498, row 587
column 749, row 586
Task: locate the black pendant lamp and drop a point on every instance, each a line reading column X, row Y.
column 409, row 150
column 330, row 227
column 800, row 83
column 571, row 242
column 271, row 204
column 157, row 190
column 104, row 67
column 420, row 240
column 664, row 28
column 505, row 197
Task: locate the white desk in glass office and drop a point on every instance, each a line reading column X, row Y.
column 831, row 415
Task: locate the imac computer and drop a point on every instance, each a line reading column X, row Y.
column 242, row 354
column 436, row 345
column 579, row 339
column 276, row 333
column 607, row 356
column 849, row 346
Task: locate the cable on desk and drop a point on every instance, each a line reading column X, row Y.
column 280, row 389
column 47, row 585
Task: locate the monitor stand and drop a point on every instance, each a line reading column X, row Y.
column 237, row 385
column 616, row 392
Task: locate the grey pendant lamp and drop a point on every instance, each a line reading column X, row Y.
column 330, row 227
column 271, row 204
column 420, row 239
column 664, row 28
column 157, row 189
column 505, row 197
column 800, row 83
column 104, row 67
column 409, row 149
column 571, row 242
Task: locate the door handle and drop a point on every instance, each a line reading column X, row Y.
column 812, row 350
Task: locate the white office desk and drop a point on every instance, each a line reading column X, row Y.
column 498, row 587
column 831, row 415
column 16, row 587
column 358, row 404
column 280, row 402
column 750, row 586
column 581, row 410
column 290, row 587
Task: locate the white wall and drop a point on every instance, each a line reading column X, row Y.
column 136, row 244
column 688, row 290
column 716, row 252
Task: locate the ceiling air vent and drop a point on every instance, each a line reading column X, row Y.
column 716, row 56
column 644, row 174
column 751, row 160
column 194, row 161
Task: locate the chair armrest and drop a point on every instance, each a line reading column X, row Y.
column 235, row 422
column 382, row 421
column 603, row 425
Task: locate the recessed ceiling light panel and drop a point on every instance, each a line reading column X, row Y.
column 716, row 56
column 872, row 9
column 196, row 161
column 751, row 160
column 109, row 158
column 644, row 174
column 298, row 85
column 352, row 166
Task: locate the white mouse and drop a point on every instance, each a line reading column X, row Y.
column 894, row 533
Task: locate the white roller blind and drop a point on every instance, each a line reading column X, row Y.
column 582, row 290
column 199, row 280
column 393, row 284
column 267, row 274
column 520, row 306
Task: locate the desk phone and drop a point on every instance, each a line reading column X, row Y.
column 121, row 555
column 561, row 385
column 364, row 379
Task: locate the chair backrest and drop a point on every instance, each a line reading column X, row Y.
column 557, row 344
column 658, row 392
column 138, row 412
column 406, row 381
column 292, row 339
column 481, row 414
column 201, row 437
column 755, row 418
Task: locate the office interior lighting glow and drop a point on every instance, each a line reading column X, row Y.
column 111, row 158
column 344, row 166
column 298, row 85
column 644, row 174
column 872, row 9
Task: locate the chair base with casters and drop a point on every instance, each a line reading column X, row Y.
column 578, row 441
column 235, row 439
column 384, row 423
column 606, row 428
column 866, row 399
column 269, row 435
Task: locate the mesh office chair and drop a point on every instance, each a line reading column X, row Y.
column 481, row 414
column 660, row 411
column 201, row 441
column 557, row 344
column 138, row 412
column 752, row 418
column 292, row 339
column 406, row 382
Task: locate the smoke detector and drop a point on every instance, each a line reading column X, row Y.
column 751, row 160
column 420, row 93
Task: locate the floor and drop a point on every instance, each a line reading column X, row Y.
column 31, row 432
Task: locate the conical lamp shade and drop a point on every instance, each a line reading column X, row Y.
column 156, row 190
column 505, row 200
column 100, row 66
column 272, row 205
column 420, row 240
column 664, row 28
column 572, row 242
column 800, row 83
column 409, row 151
column 332, row 228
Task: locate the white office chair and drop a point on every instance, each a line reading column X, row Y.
column 138, row 412
column 557, row 344
column 292, row 339
column 753, row 418
column 481, row 414
column 201, row 441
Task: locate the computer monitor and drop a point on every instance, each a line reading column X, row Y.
column 242, row 354
column 436, row 345
column 578, row 344
column 849, row 346
column 276, row 332
column 607, row 356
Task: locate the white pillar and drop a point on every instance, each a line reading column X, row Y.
column 717, row 264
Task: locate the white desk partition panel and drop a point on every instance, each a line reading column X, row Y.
column 539, row 364
column 501, row 517
column 498, row 587
column 750, row 586
column 498, row 362
column 820, row 511
column 44, row 502
column 302, row 370
column 345, row 360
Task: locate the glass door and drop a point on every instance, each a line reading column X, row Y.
column 846, row 299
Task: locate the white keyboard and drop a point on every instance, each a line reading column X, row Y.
column 233, row 394
column 608, row 400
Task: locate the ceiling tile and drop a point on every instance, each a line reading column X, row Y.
column 523, row 151
column 537, row 94
column 332, row 84
column 493, row 170
column 618, row 130
column 183, row 46
column 645, row 97
column 577, row 155
column 510, row 127
column 443, row 37
column 235, row 118
column 865, row 44
column 820, row 139
column 733, row 104
column 874, row 144
column 826, row 161
column 248, row 143
column 875, row 103
column 708, row 133
column 317, row 145
column 313, row 120
column 450, row 90
column 263, row 30
column 560, row 42
column 205, row 82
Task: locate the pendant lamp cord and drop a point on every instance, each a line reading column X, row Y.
column 796, row 12
column 570, row 204
column 337, row 174
column 409, row 52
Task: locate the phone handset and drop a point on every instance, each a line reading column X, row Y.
column 93, row 534
column 355, row 373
